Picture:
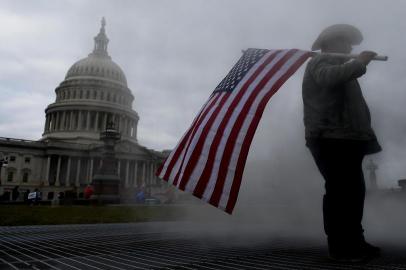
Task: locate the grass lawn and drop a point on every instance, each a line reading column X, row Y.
column 15, row 215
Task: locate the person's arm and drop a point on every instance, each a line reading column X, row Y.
column 326, row 74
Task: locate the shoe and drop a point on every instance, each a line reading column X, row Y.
column 370, row 250
column 349, row 256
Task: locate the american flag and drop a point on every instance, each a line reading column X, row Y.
column 209, row 159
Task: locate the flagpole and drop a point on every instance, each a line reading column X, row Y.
column 377, row 58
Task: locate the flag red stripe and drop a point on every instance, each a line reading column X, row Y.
column 196, row 127
column 203, row 133
column 225, row 160
column 181, row 146
column 205, row 176
column 251, row 131
column 158, row 172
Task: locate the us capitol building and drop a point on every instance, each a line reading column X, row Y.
column 93, row 93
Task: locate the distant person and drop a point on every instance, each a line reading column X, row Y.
column 26, row 195
column 34, row 197
column 339, row 134
column 15, row 193
column 88, row 192
column 140, row 196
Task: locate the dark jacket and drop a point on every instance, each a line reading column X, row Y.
column 334, row 106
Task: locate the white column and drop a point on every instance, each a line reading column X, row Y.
column 56, row 121
column 77, row 183
column 53, row 121
column 88, row 120
column 46, row 123
column 104, row 121
column 19, row 165
column 151, row 173
column 120, row 124
column 67, row 120
column 79, row 126
column 47, row 171
column 71, row 121
column 119, row 167
column 96, row 121
column 124, row 132
column 67, row 183
column 143, row 173
column 3, row 175
column 135, row 129
column 135, row 174
column 63, row 120
column 90, row 171
column 153, row 177
column 51, row 126
column 127, row 172
column 128, row 127
column 58, row 172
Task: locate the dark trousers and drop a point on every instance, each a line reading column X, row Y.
column 340, row 163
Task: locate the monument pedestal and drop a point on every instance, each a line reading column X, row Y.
column 106, row 189
column 106, row 181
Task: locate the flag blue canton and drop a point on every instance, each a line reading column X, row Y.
column 240, row 69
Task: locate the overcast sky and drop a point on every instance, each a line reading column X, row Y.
column 174, row 53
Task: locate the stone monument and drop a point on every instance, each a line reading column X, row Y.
column 106, row 181
column 372, row 167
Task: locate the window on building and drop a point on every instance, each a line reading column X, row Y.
column 12, row 158
column 27, row 160
column 25, row 177
column 102, row 96
column 10, row 176
column 87, row 94
column 94, row 94
column 108, row 96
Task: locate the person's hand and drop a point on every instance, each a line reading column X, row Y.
column 366, row 56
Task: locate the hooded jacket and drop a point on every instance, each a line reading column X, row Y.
column 334, row 106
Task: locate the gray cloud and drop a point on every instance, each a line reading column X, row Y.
column 174, row 53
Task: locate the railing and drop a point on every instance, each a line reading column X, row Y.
column 16, row 140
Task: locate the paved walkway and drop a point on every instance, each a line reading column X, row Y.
column 166, row 246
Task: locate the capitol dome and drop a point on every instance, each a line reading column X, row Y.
column 96, row 66
column 93, row 93
column 98, row 63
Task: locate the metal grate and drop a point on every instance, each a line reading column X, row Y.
column 149, row 246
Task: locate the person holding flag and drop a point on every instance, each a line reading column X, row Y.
column 209, row 159
column 339, row 134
